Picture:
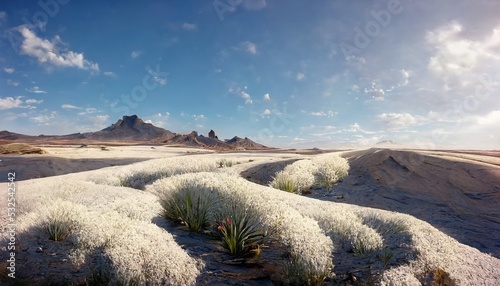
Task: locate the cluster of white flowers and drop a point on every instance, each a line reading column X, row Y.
column 299, row 174
column 325, row 169
column 331, row 168
column 140, row 174
column 116, row 220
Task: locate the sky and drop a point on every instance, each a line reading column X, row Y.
column 296, row 74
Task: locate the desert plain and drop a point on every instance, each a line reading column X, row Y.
column 455, row 194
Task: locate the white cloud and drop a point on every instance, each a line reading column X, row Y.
column 266, row 112
column 267, row 97
column 44, row 119
column 406, row 76
column 200, row 117
column 189, row 26
column 35, row 89
column 34, row 101
column 249, row 47
column 48, row 52
column 356, row 128
column 375, row 92
column 329, row 113
column 457, row 55
column 246, row 97
column 159, row 77
column 242, row 93
column 9, row 70
column 135, row 54
column 10, row 102
column 110, row 74
column 88, row 110
column 399, row 120
column 159, row 119
column 69, row 106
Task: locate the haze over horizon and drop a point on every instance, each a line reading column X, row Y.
column 285, row 74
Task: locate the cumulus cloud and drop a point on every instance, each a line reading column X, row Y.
column 266, row 112
column 267, row 97
column 9, row 70
column 375, row 92
column 51, row 53
column 35, row 89
column 300, row 76
column 456, row 54
column 242, row 93
column 399, row 120
column 110, row 74
column 10, row 102
column 200, row 117
column 246, row 97
column 406, row 77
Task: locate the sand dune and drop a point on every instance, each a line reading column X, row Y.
column 458, row 193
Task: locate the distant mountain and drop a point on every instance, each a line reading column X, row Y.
column 195, row 140
column 133, row 130
column 244, row 143
column 387, row 142
column 212, row 142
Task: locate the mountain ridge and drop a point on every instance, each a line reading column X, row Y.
column 133, row 130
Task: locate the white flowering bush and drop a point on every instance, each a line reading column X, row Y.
column 331, row 168
column 140, row 174
column 123, row 245
column 326, row 170
column 308, row 244
column 296, row 177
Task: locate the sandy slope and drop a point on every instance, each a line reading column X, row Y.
column 71, row 159
column 457, row 193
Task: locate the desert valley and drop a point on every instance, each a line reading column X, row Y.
column 135, row 204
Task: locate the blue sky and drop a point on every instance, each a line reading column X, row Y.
column 284, row 73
